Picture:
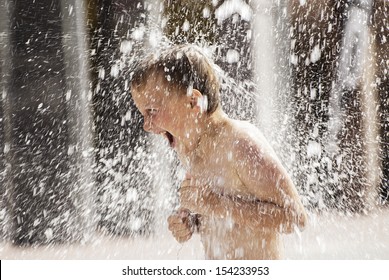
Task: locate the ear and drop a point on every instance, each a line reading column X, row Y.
column 195, row 100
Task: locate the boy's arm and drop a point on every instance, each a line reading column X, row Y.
column 251, row 214
column 267, row 180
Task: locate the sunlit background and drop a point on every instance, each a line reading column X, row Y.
column 80, row 179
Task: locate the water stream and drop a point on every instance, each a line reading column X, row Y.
column 80, row 179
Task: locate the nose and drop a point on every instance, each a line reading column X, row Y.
column 147, row 124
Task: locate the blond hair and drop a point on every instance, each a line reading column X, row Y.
column 184, row 67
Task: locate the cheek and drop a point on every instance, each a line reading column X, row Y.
column 160, row 119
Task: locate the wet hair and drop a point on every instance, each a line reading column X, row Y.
column 184, row 67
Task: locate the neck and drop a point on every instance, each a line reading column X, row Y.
column 202, row 130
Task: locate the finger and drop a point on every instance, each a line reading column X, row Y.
column 186, row 184
column 180, row 224
column 182, row 232
column 174, row 219
column 178, row 227
column 189, row 183
column 176, row 224
column 179, row 215
column 183, row 212
column 184, row 238
column 177, row 221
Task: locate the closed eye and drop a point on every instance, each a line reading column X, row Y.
column 151, row 111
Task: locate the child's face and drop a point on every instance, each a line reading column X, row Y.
column 165, row 112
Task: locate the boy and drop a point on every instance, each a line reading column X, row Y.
column 236, row 193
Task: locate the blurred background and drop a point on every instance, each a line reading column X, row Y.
column 74, row 160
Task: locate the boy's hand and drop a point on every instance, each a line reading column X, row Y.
column 181, row 225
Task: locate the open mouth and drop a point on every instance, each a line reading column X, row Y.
column 170, row 138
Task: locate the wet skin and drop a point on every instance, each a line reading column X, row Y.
column 244, row 196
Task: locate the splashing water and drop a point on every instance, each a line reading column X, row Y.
column 119, row 187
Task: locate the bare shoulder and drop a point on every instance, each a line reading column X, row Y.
column 262, row 173
column 248, row 141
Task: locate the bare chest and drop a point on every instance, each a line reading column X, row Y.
column 218, row 172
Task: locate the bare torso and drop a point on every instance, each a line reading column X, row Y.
column 224, row 238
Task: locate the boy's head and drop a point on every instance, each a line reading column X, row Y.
column 183, row 68
column 172, row 91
